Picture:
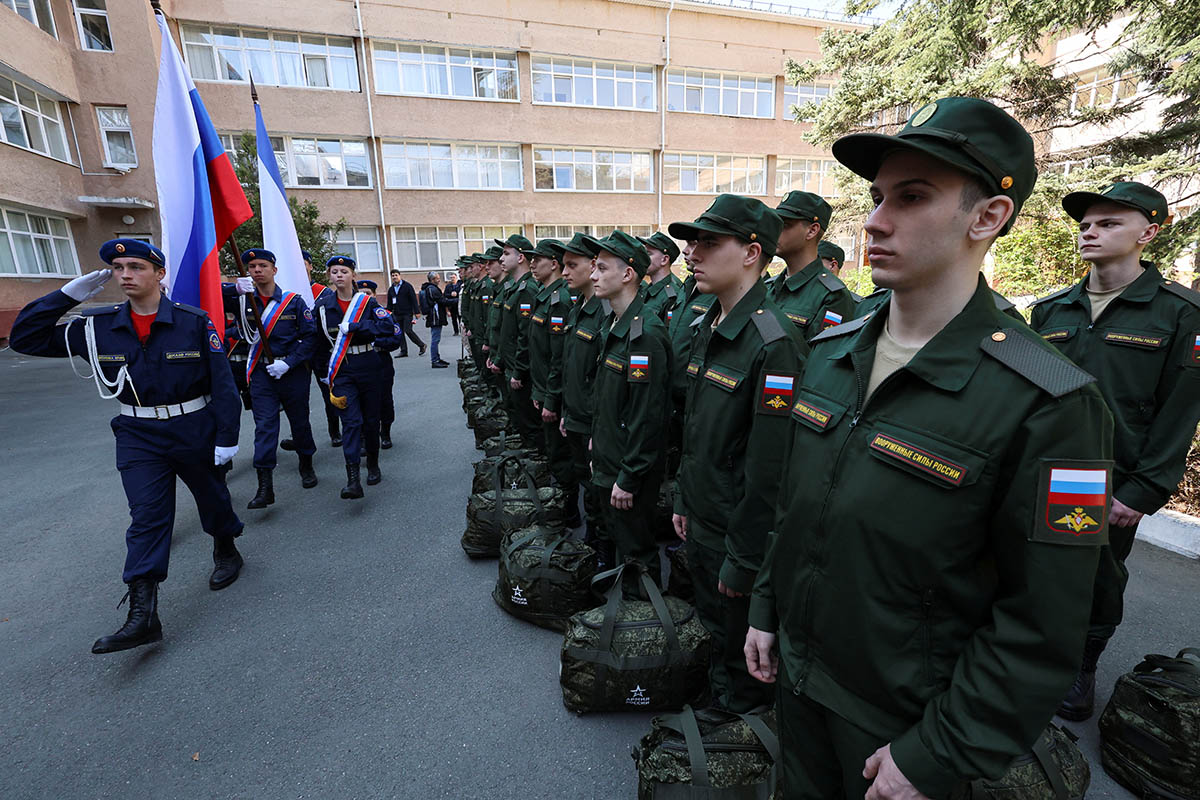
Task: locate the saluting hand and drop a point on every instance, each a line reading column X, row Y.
column 762, row 662
column 888, row 782
column 85, row 287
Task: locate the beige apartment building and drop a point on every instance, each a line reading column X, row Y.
column 429, row 127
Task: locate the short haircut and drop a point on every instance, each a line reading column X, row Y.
column 973, row 191
column 395, row 272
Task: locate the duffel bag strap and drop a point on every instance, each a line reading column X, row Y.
column 607, row 628
column 1053, row 772
column 550, row 548
column 1194, row 652
column 664, row 616
column 697, row 759
column 1157, row 661
column 530, row 488
column 765, row 735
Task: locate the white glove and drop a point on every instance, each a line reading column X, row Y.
column 85, row 287
column 223, row 455
column 277, row 369
column 323, row 381
column 245, row 285
column 344, row 326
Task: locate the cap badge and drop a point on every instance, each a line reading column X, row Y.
column 753, row 236
column 922, row 116
column 1154, row 212
column 120, row 248
column 341, row 261
column 1006, row 182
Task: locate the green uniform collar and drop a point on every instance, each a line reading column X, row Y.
column 590, row 305
column 549, row 289
column 1142, row 290
column 950, row 358
column 621, row 329
column 810, row 271
column 658, row 287
column 736, row 319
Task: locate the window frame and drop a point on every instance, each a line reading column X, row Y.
column 36, row 22
column 681, row 154
column 286, row 160
column 271, row 33
column 824, row 175
column 794, row 89
column 473, row 53
column 594, row 64
column 1100, row 77
column 357, row 238
column 23, row 109
column 460, row 244
column 9, row 232
column 108, row 161
column 454, row 161
column 720, row 88
column 594, row 163
column 80, row 13
column 590, row 229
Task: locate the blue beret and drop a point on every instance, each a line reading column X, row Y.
column 372, row 285
column 344, row 261
column 307, row 255
column 257, row 253
column 132, row 248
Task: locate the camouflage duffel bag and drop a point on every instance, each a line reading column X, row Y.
column 498, row 511
column 634, row 655
column 679, row 579
column 467, row 368
column 545, row 576
column 489, row 426
column 485, row 471
column 732, row 757
column 1150, row 729
column 505, row 443
column 1053, row 770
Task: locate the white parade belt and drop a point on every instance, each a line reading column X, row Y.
column 358, row 349
column 167, row 411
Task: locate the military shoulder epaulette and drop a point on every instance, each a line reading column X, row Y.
column 1002, row 302
column 671, row 293
column 199, row 312
column 1048, row 297
column 830, row 281
column 635, row 327
column 564, row 295
column 768, row 326
column 1179, row 290
column 95, row 312
column 841, row 330
column 695, row 323
column 606, row 307
column 1035, row 362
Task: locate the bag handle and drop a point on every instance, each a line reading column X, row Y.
column 765, row 735
column 530, row 488
column 1053, row 772
column 1181, row 663
column 697, row 760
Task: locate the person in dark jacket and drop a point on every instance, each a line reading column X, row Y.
column 434, row 308
column 402, row 302
column 450, row 297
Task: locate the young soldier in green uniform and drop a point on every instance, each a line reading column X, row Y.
column 831, row 256
column 514, row 338
column 547, row 334
column 503, row 284
column 1138, row 334
column 746, row 357
column 660, row 293
column 632, row 392
column 944, row 498
column 812, row 297
column 580, row 351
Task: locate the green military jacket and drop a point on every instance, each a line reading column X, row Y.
column 464, row 301
column 877, row 298
column 661, row 296
column 1145, row 354
column 742, row 375
column 514, row 331
column 580, row 353
column 689, row 305
column 935, row 544
column 547, row 333
column 480, row 307
column 814, row 298
column 496, row 320
column 632, row 390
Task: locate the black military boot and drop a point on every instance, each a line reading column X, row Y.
column 1080, row 701
column 574, row 520
column 385, row 437
column 287, row 444
column 227, row 563
column 308, row 476
column 353, row 489
column 374, row 476
column 266, row 490
column 141, row 626
column 335, row 437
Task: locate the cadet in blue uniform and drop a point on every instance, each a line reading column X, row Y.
column 165, row 365
column 385, row 346
column 351, row 321
column 331, row 413
column 281, row 382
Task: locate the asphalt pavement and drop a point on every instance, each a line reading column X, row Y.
column 360, row 654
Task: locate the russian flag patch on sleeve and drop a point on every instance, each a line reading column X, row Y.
column 831, row 318
column 776, row 394
column 639, row 368
column 1073, row 503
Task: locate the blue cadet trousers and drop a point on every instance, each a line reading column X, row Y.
column 268, row 394
column 359, row 381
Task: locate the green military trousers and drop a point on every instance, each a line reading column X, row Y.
column 594, row 497
column 632, row 532
column 1112, row 576
column 558, row 453
column 726, row 619
column 522, row 415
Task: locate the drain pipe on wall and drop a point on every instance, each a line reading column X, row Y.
column 662, row 116
column 385, row 247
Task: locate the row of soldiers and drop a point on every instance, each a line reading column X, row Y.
column 910, row 512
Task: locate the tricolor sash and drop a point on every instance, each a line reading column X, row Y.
column 270, row 316
column 354, row 313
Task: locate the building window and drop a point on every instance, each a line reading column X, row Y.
column 603, row 84
column 117, row 135
column 477, row 238
column 565, row 232
column 444, row 72
column 426, row 248
column 805, row 174
column 362, row 244
column 276, row 59
column 712, row 173
column 1097, row 88
column 721, row 93
column 796, row 96
column 579, row 170
column 31, row 120
column 322, row 163
column 451, row 165
column 35, row 244
column 36, row 11
column 91, row 17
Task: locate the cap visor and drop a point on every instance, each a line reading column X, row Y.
column 1076, row 204
column 862, row 153
column 688, row 231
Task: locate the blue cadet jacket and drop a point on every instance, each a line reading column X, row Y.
column 293, row 337
column 182, row 359
column 376, row 321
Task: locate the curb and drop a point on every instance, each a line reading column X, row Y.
column 1172, row 530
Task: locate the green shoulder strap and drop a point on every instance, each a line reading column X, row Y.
column 697, row 759
column 1051, row 768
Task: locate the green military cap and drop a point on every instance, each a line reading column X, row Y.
column 583, row 245
column 516, row 242
column 733, row 215
column 660, row 241
column 969, row 134
column 806, row 206
column 830, row 250
column 1135, row 195
column 550, row 248
column 627, row 248
column 493, row 253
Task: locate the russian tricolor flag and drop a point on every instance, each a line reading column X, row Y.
column 778, row 384
column 1196, row 347
column 832, row 317
column 639, row 361
column 1078, row 487
column 200, row 202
